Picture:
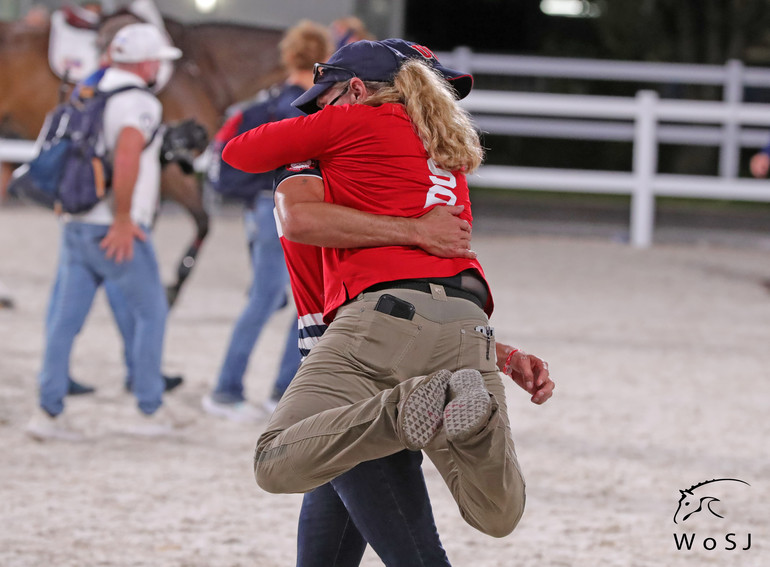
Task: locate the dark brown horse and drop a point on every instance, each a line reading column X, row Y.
column 221, row 64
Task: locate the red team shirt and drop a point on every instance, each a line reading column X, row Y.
column 372, row 161
column 305, row 266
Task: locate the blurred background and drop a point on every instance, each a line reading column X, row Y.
column 577, row 155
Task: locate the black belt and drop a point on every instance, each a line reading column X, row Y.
column 466, row 285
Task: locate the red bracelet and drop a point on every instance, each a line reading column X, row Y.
column 507, row 365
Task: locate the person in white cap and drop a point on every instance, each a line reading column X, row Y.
column 111, row 242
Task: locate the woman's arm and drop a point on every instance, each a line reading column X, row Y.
column 274, row 144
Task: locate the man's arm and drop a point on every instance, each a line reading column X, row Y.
column 307, row 219
column 119, row 241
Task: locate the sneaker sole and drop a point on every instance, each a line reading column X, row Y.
column 423, row 411
column 47, row 435
column 470, row 406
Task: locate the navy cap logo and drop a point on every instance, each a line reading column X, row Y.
column 424, row 51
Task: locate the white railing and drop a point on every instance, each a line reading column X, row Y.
column 733, row 77
column 644, row 117
column 645, row 120
column 16, row 151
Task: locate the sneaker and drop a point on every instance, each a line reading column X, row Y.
column 77, row 389
column 241, row 412
column 161, row 423
column 422, row 413
column 44, row 427
column 469, row 407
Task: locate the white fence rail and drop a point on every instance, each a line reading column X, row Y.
column 16, row 151
column 645, row 114
column 734, row 77
column 645, row 120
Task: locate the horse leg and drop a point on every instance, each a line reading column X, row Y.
column 185, row 190
column 6, row 169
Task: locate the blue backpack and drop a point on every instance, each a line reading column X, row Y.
column 72, row 172
column 227, row 180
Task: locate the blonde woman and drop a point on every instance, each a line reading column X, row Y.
column 391, row 140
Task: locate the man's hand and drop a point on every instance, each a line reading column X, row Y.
column 443, row 233
column 759, row 165
column 119, row 241
column 528, row 371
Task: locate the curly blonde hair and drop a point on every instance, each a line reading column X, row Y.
column 446, row 129
column 304, row 44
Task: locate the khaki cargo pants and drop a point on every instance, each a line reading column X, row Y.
column 342, row 406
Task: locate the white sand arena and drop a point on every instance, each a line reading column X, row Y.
column 661, row 360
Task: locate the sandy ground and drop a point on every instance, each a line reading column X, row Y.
column 660, row 357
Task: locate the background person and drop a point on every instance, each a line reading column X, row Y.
column 348, row 30
column 301, row 46
column 117, row 302
column 112, row 242
column 760, row 162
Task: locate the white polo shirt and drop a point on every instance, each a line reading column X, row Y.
column 141, row 110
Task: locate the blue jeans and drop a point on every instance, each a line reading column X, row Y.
column 126, row 323
column 83, row 267
column 383, row 502
column 120, row 310
column 267, row 294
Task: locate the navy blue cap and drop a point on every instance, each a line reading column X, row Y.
column 367, row 60
column 461, row 82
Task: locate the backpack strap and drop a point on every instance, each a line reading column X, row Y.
column 108, row 94
column 152, row 137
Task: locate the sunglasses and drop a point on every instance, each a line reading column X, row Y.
column 331, row 73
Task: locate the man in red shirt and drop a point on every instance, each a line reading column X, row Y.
column 385, row 500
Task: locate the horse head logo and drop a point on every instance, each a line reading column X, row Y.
column 695, row 499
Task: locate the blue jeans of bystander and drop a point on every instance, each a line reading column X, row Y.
column 268, row 291
column 83, row 268
column 120, row 310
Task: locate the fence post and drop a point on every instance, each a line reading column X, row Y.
column 462, row 59
column 645, row 167
column 729, row 150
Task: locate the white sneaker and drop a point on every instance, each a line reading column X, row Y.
column 269, row 406
column 241, row 412
column 44, row 427
column 161, row 423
